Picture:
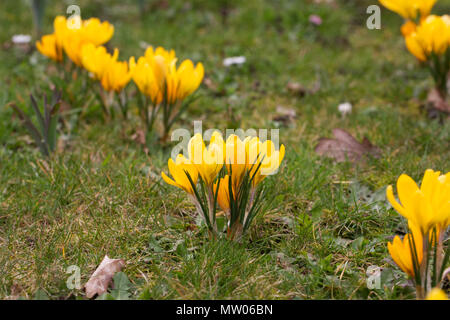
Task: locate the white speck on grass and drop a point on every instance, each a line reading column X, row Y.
column 345, row 108
column 21, row 38
column 234, row 61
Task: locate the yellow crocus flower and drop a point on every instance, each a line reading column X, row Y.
column 427, row 206
column 400, row 250
column 264, row 157
column 97, row 32
column 437, row 294
column 431, row 36
column 60, row 30
column 223, row 194
column 236, row 159
column 97, row 59
column 408, row 28
column 179, row 169
column 73, row 43
column 208, row 161
column 115, row 76
column 409, row 9
column 158, row 77
column 167, row 55
column 48, row 47
column 91, row 31
column 186, row 80
column 71, row 35
column 143, row 76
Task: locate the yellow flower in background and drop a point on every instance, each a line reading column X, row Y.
column 168, row 56
column 178, row 170
column 437, row 294
column 60, row 30
column 223, row 194
column 72, row 34
column 409, row 9
column 97, row 59
column 431, row 36
column 408, row 28
column 91, row 31
column 400, row 250
column 183, row 81
column 115, row 76
column 427, row 206
column 48, row 47
column 143, row 76
column 72, row 45
column 97, row 32
column 264, row 157
column 157, row 76
column 208, row 161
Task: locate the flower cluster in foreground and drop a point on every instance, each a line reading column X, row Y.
column 421, row 252
column 226, row 174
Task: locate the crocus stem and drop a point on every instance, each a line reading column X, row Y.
column 419, row 293
column 425, row 263
column 123, row 104
column 250, row 204
column 440, row 256
column 211, row 208
column 197, row 205
column 100, row 97
column 151, row 121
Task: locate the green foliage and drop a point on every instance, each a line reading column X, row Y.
column 324, row 224
column 121, row 290
column 45, row 134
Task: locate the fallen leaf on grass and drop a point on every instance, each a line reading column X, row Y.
column 437, row 102
column 102, row 276
column 285, row 115
column 16, row 290
column 300, row 90
column 345, row 147
column 139, row 138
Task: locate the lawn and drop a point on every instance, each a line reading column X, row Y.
column 323, row 224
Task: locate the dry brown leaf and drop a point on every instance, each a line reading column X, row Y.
column 345, row 147
column 16, row 291
column 300, row 90
column 285, row 115
column 139, row 138
column 436, row 101
column 102, row 276
column 210, row 84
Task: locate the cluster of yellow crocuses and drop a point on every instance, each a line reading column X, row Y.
column 229, row 173
column 158, row 78
column 410, row 9
column 156, row 73
column 421, row 253
column 427, row 36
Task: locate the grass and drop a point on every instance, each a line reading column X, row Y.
column 324, row 223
